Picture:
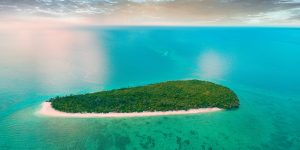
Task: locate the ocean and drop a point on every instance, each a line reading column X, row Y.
column 261, row 64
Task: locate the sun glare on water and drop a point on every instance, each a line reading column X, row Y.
column 213, row 65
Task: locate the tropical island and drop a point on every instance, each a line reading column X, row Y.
column 167, row 96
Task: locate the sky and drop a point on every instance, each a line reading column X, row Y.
column 156, row 12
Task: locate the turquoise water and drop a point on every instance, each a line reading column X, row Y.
column 260, row 64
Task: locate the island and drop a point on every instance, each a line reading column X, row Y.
column 171, row 97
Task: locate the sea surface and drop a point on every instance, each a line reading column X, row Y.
column 261, row 64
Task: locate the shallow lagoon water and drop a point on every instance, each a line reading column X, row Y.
column 260, row 64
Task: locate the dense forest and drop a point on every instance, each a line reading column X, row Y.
column 171, row 95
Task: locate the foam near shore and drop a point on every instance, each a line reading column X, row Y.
column 48, row 110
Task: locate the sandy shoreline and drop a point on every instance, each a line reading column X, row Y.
column 47, row 110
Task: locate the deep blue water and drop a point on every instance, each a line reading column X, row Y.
column 260, row 64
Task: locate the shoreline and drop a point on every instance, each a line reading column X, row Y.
column 47, row 110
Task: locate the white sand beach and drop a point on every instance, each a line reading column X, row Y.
column 48, row 110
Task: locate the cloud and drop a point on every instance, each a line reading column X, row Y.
column 144, row 1
column 58, row 7
column 280, row 16
column 288, row 2
column 162, row 12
